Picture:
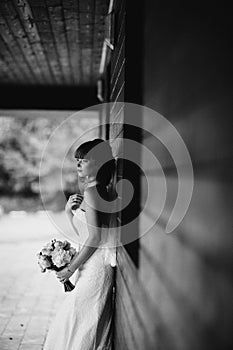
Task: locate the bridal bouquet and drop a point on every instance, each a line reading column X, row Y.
column 56, row 255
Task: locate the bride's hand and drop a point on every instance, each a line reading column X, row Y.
column 74, row 200
column 64, row 274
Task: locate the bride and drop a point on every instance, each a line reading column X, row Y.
column 84, row 321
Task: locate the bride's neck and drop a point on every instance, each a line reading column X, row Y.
column 90, row 179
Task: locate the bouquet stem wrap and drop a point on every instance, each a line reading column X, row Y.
column 68, row 286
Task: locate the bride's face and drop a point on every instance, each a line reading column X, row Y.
column 86, row 167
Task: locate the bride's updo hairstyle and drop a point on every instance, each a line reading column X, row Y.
column 100, row 151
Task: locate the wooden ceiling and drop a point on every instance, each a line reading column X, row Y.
column 51, row 42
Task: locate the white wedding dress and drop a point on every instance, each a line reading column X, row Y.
column 84, row 320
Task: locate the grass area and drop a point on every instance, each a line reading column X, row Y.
column 56, row 202
column 27, row 204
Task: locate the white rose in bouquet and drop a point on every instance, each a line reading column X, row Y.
column 49, row 246
column 61, row 257
column 58, row 244
column 45, row 251
column 43, row 262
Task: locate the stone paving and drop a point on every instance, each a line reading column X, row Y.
column 28, row 298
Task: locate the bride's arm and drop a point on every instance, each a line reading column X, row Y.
column 74, row 199
column 91, row 244
column 70, row 217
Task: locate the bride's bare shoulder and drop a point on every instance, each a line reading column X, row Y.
column 96, row 197
column 91, row 197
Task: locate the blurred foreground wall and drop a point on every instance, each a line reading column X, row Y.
column 180, row 295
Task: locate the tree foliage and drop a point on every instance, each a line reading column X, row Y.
column 22, row 142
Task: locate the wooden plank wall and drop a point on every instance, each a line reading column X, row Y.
column 115, row 84
column 117, row 81
column 180, row 296
column 125, row 269
column 116, row 88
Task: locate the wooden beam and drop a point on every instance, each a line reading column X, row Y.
column 50, row 98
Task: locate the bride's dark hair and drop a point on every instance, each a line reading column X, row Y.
column 100, row 151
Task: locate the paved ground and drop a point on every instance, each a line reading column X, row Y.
column 28, row 298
